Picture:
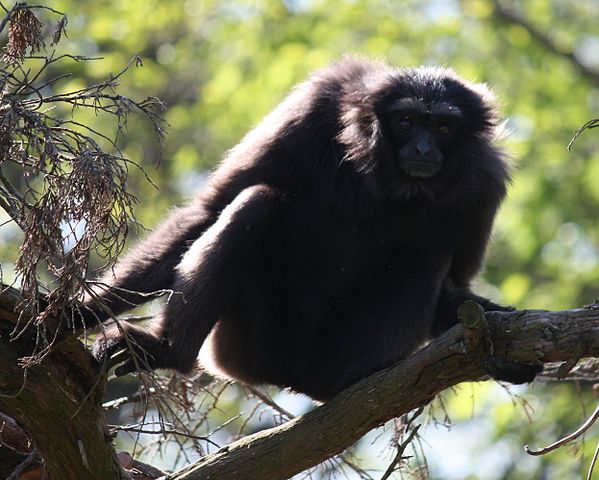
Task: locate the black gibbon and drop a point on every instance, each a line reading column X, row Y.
column 339, row 235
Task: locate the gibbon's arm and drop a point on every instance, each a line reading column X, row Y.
column 469, row 254
column 205, row 281
column 149, row 267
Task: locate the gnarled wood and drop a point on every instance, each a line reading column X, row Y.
column 58, row 403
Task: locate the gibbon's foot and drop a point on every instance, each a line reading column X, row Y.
column 517, row 373
column 141, row 349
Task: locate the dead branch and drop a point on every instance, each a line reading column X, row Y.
column 62, row 182
column 594, row 123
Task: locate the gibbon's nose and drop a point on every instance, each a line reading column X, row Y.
column 423, row 146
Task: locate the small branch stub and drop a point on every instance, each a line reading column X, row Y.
column 473, row 319
column 472, row 315
column 568, row 365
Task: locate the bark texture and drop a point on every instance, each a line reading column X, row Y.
column 58, row 401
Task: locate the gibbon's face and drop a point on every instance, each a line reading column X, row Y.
column 421, row 134
column 435, row 129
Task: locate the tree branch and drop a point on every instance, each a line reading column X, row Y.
column 526, row 336
column 509, row 15
column 57, row 402
column 456, row 356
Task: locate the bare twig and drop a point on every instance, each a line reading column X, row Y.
column 66, row 193
column 568, row 438
column 401, row 447
column 593, row 462
column 587, row 126
column 119, row 402
column 161, row 431
column 270, row 402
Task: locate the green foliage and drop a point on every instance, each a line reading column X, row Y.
column 220, row 66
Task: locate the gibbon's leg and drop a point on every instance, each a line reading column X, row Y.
column 383, row 323
column 207, row 279
column 149, row 267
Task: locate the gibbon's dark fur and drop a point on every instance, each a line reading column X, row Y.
column 337, row 237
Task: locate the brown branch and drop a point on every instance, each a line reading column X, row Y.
column 57, row 402
column 136, row 469
column 13, row 436
column 458, row 355
column 310, row 439
column 513, row 17
column 281, row 452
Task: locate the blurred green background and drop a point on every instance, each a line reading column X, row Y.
column 221, row 65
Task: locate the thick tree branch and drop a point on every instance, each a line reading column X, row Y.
column 305, row 441
column 58, row 402
column 457, row 356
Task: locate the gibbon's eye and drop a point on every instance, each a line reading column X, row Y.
column 443, row 130
column 403, row 125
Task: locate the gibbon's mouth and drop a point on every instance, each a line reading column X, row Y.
column 420, row 169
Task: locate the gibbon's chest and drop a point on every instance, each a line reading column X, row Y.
column 327, row 257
